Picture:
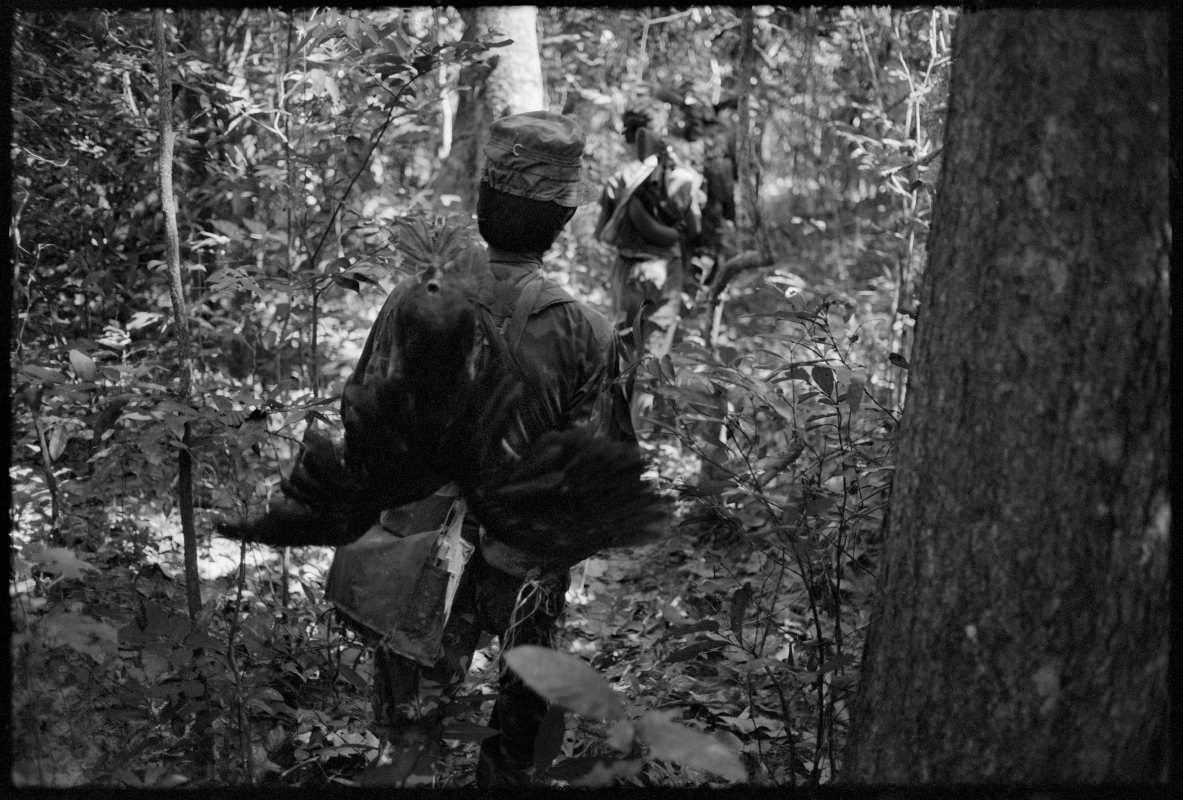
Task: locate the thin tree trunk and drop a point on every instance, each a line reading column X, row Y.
column 180, row 312
column 752, row 249
column 1022, row 629
column 748, row 220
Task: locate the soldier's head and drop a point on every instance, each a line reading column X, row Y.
column 644, row 121
column 641, row 114
column 532, row 182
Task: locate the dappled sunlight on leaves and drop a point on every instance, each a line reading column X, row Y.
column 303, row 137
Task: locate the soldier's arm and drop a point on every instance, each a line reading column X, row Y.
column 649, row 227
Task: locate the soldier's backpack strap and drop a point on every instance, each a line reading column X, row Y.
column 522, row 311
column 537, row 293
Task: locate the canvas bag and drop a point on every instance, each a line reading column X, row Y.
column 397, row 590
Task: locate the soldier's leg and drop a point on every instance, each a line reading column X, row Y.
column 527, row 613
column 409, row 698
column 655, row 315
column 409, row 742
column 396, row 682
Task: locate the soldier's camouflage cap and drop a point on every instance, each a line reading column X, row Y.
column 538, row 155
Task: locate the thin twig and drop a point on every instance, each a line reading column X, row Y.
column 920, row 162
column 244, row 739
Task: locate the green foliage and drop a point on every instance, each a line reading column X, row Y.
column 794, row 449
column 299, row 138
column 284, row 207
column 158, row 682
column 307, row 147
column 565, row 680
column 778, row 427
column 570, row 683
column 848, row 119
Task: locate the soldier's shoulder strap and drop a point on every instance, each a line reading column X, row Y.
column 537, row 294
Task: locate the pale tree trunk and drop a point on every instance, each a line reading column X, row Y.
column 508, row 81
column 180, row 314
column 1022, row 628
column 751, row 248
column 747, row 205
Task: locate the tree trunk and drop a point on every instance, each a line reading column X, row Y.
column 180, row 313
column 509, row 81
column 1022, row 630
column 748, row 222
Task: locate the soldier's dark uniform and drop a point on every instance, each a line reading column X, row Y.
column 571, row 359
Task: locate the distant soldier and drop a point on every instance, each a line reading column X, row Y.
column 650, row 211
column 707, row 143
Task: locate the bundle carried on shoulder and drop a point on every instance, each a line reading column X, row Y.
column 428, row 419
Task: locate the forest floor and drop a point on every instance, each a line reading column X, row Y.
column 127, row 693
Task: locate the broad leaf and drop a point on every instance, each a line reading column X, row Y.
column 690, row 651
column 565, row 680
column 607, row 773
column 84, row 634
column 84, row 366
column 57, row 442
column 62, row 563
column 621, row 735
column 824, row 378
column 44, row 374
column 739, row 605
column 670, row 741
column 348, row 283
column 462, row 731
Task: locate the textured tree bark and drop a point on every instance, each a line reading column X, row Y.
column 1022, row 629
column 509, row 81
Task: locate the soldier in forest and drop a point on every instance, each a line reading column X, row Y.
column 650, row 213
column 569, row 357
column 703, row 130
column 701, row 139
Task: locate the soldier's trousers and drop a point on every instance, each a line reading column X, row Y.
column 639, row 290
column 519, row 611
